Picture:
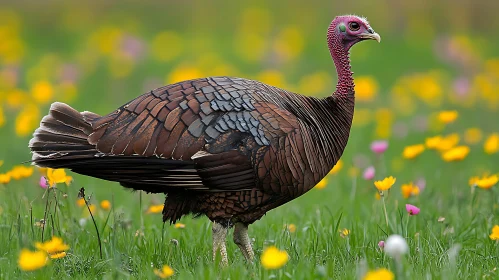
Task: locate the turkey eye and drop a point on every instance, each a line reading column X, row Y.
column 354, row 26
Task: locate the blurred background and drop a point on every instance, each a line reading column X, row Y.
column 98, row 55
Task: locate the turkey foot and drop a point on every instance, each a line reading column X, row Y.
column 219, row 235
column 242, row 240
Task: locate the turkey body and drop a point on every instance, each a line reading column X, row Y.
column 229, row 148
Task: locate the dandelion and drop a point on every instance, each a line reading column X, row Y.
column 433, row 142
column 291, row 228
column 21, row 171
column 154, row 209
column 179, row 225
column 337, row 167
column 55, row 247
column 411, row 209
column 322, row 184
column 56, row 176
column 379, row 146
column 273, row 258
column 379, row 274
column 344, row 232
column 369, row 173
column 395, row 246
column 411, row 152
column 42, row 92
column 484, row 182
column 472, row 135
column 495, row 233
column 491, row 145
column 385, row 184
column 448, row 142
column 29, row 261
column 105, row 204
column 366, row 88
column 447, row 117
column 80, row 202
column 409, row 190
column 165, row 272
column 456, row 154
column 4, row 178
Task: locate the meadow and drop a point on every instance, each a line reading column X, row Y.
column 426, row 113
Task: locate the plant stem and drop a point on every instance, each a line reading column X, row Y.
column 382, row 194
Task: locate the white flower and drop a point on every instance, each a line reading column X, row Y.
column 396, row 246
column 82, row 222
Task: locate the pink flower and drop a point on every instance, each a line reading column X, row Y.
column 43, row 183
column 379, row 146
column 421, row 184
column 381, row 244
column 411, row 209
column 369, row 173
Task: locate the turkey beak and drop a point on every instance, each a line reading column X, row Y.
column 370, row 35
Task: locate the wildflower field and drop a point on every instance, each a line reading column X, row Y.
column 421, row 165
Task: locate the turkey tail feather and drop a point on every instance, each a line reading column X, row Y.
column 62, row 136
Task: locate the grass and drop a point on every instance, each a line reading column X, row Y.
column 134, row 242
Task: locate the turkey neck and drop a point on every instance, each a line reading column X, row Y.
column 329, row 120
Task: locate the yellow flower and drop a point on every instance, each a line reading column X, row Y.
column 495, row 233
column 183, row 73
column 322, row 184
column 155, row 209
column 105, row 204
column 337, row 167
column 165, row 272
column 385, row 184
column 366, row 88
column 344, row 232
column 272, row 77
column 473, row 181
column 56, row 176
column 485, row 182
column 20, row 171
column 42, row 92
column 491, row 145
column 409, row 190
column 59, row 255
column 291, row 228
column 4, row 178
column 448, row 142
column 377, row 196
column 29, row 261
column 472, row 135
column 54, row 247
column 80, row 202
column 289, row 43
column 433, row 142
column 411, row 152
column 273, row 258
column 170, row 39
column 456, row 154
column 27, row 120
column 379, row 274
column 447, row 116
column 179, row 225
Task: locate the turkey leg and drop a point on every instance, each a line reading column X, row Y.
column 219, row 236
column 242, row 240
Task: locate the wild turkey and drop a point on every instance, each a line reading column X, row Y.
column 229, row 148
